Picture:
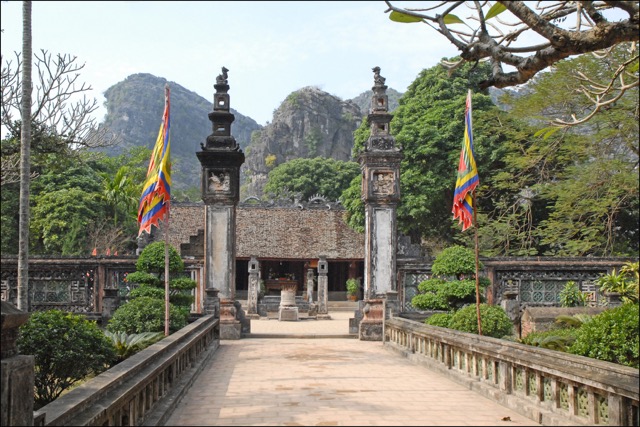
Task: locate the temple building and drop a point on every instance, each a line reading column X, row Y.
column 287, row 238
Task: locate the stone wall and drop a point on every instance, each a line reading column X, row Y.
column 539, row 319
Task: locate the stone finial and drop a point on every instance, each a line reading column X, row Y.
column 378, row 80
column 222, row 78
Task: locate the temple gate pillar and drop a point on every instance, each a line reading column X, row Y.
column 310, row 284
column 221, row 158
column 380, row 166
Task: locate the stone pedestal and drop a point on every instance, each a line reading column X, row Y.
column 254, row 290
column 288, row 309
column 511, row 306
column 110, row 302
column 212, row 302
column 323, row 289
column 370, row 328
column 18, row 375
column 230, row 327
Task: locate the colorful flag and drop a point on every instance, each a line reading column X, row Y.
column 467, row 175
column 156, row 192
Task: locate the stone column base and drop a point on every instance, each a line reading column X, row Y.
column 252, row 316
column 230, row 331
column 370, row 332
column 370, row 328
column 288, row 314
column 323, row 317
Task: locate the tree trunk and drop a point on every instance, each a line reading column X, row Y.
column 25, row 163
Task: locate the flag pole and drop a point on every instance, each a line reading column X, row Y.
column 475, row 228
column 166, row 245
column 166, row 275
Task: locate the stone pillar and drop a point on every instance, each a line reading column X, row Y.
column 323, row 288
column 380, row 166
column 310, row 284
column 370, row 328
column 221, row 159
column 254, row 289
column 18, row 371
column 288, row 309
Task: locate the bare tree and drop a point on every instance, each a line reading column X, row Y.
column 60, row 105
column 25, row 147
column 487, row 34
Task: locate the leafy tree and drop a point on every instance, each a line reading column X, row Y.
column 588, row 177
column 66, row 203
column 67, row 348
column 495, row 36
column 318, row 176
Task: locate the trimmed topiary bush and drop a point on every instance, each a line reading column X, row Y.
column 494, row 320
column 611, row 336
column 146, row 314
column 456, row 261
column 67, row 348
column 439, row 319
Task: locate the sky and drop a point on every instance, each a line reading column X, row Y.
column 271, row 48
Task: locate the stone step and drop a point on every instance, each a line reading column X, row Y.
column 331, row 305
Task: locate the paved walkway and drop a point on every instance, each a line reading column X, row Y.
column 327, row 382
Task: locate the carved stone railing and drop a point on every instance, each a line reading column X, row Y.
column 550, row 387
column 142, row 389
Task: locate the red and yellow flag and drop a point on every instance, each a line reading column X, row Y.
column 468, row 178
column 156, row 192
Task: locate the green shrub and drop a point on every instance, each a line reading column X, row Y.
column 67, row 348
column 146, row 314
column 352, row 286
column 151, row 259
column 494, row 320
column 571, row 296
column 439, row 319
column 611, row 336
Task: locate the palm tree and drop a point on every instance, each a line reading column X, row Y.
column 25, row 162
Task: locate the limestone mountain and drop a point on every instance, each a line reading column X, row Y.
column 309, row 123
column 134, row 112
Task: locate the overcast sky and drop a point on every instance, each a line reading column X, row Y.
column 271, row 48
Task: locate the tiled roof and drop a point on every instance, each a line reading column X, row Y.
column 276, row 232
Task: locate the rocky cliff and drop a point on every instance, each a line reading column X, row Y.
column 309, row 123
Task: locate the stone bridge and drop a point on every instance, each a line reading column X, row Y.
column 419, row 375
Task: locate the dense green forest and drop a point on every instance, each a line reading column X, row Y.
column 569, row 193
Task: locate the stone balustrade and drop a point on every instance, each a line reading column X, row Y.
column 550, row 387
column 142, row 389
